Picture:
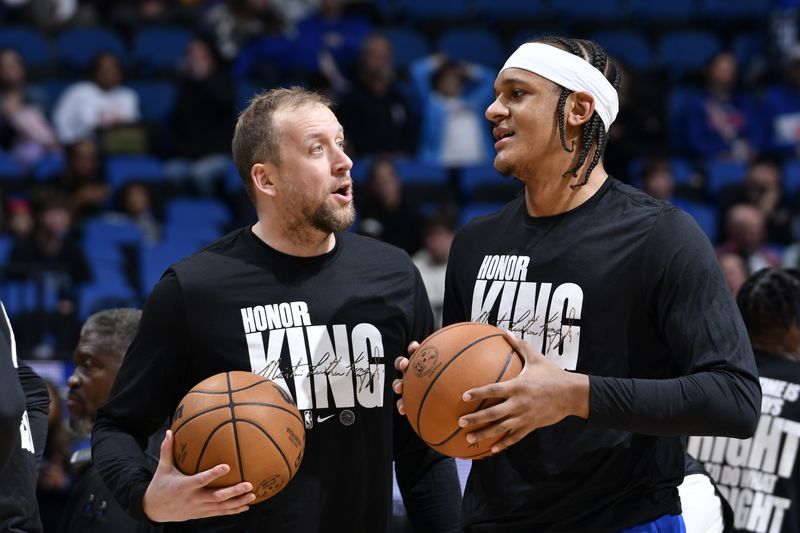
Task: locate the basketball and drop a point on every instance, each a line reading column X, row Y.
column 448, row 363
column 245, row 421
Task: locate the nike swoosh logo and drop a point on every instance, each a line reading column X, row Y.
column 321, row 419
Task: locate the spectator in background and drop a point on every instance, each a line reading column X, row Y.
column 639, row 130
column 328, row 42
column 54, row 259
column 202, row 121
column 745, row 233
column 454, row 95
column 762, row 188
column 781, row 109
column 24, row 130
column 431, row 259
column 721, row 122
column 134, row 204
column 385, row 215
column 104, row 339
column 376, row 115
column 734, row 270
column 100, row 102
column 19, row 218
column 657, row 179
column 82, row 181
column 234, row 23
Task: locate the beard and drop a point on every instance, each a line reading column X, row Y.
column 332, row 220
column 81, row 425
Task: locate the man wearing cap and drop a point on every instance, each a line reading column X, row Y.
column 614, row 299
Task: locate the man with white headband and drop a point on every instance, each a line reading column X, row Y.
column 614, row 299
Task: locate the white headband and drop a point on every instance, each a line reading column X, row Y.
column 569, row 71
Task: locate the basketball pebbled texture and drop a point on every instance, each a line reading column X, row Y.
column 449, row 362
column 245, row 421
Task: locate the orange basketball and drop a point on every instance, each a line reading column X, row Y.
column 447, row 364
column 245, row 421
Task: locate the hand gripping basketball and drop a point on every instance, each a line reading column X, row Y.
column 175, row 497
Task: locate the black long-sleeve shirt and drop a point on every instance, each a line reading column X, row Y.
column 626, row 289
column 327, row 328
column 12, row 398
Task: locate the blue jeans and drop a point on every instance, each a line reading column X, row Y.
column 665, row 524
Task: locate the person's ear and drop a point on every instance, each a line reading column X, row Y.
column 263, row 177
column 579, row 108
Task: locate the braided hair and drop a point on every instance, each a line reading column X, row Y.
column 770, row 301
column 594, row 131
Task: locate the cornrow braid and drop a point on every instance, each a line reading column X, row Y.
column 770, row 300
column 594, row 131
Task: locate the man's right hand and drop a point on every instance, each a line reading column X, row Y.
column 175, row 497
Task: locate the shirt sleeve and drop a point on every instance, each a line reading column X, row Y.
column 453, row 309
column 12, row 397
column 142, row 396
column 37, row 404
column 428, row 481
column 717, row 391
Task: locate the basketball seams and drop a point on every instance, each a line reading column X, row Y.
column 233, row 419
column 274, row 443
column 274, row 406
column 205, row 444
column 444, row 367
column 503, row 370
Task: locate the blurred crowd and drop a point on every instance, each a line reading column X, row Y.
column 115, row 156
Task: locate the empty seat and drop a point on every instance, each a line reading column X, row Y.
column 706, row 216
column 680, row 52
column 721, row 174
column 160, row 48
column 477, row 209
column 156, row 100
column 674, row 10
column 29, row 42
column 121, row 169
column 473, row 45
column 484, row 184
column 629, row 46
column 407, row 45
column 78, row 46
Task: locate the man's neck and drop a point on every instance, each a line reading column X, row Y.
column 299, row 242
column 548, row 195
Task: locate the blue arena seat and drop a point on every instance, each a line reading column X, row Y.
column 473, row 45
column 584, row 10
column 156, row 100
column 721, row 173
column 407, row 45
column 735, row 9
column 121, row 169
column 477, row 209
column 791, row 178
column 428, row 10
column 29, row 42
column 78, row 46
column 674, row 10
column 483, row 183
column 511, row 10
column 10, row 167
column 683, row 51
column 630, row 46
column 706, row 216
column 160, row 48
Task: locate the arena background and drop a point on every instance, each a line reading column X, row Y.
column 709, row 144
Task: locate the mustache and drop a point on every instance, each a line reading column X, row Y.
column 74, row 396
